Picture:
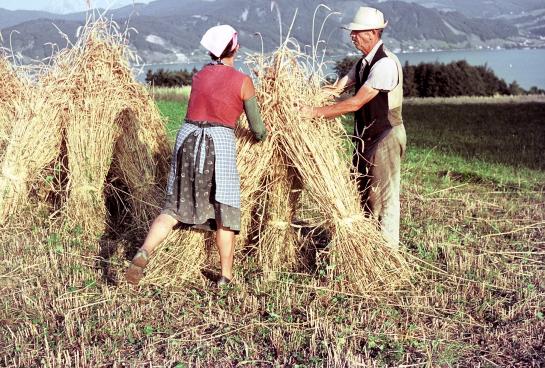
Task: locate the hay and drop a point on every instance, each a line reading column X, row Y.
column 141, row 158
column 359, row 255
column 253, row 162
column 14, row 90
column 179, row 259
column 33, row 144
column 142, row 152
column 14, row 86
column 90, row 116
column 94, row 104
column 277, row 244
column 114, row 128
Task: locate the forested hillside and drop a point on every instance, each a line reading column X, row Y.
column 170, row 30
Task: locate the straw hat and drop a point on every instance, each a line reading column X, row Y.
column 217, row 38
column 367, row 18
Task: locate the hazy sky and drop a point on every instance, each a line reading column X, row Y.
column 63, row 6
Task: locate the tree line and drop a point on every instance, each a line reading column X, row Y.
column 170, row 78
column 457, row 78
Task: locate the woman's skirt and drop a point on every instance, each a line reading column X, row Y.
column 192, row 201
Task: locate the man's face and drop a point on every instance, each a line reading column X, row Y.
column 364, row 40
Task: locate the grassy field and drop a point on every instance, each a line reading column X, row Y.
column 473, row 223
column 174, row 113
column 506, row 134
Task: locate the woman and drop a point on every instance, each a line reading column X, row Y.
column 203, row 189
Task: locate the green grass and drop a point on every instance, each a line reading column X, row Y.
column 505, row 133
column 496, row 143
column 431, row 168
column 174, row 113
column 171, row 93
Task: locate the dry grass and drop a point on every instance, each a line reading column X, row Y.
column 253, row 162
column 111, row 127
column 101, row 130
column 277, row 244
column 14, row 85
column 477, row 255
column 32, row 144
column 315, row 150
column 142, row 152
column 91, row 137
column 481, row 305
column 179, row 259
column 112, row 122
column 13, row 94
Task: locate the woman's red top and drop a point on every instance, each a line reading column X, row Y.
column 216, row 95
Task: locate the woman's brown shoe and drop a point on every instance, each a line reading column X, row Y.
column 135, row 272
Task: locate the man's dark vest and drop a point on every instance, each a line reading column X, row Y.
column 372, row 119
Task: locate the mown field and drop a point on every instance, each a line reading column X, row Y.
column 473, row 222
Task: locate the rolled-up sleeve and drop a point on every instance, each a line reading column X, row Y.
column 383, row 75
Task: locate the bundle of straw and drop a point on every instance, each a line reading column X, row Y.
column 13, row 86
column 277, row 246
column 141, row 157
column 253, row 162
column 34, row 142
column 358, row 253
column 95, row 104
column 14, row 90
column 141, row 152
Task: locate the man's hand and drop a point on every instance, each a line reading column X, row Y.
column 337, row 88
column 331, row 90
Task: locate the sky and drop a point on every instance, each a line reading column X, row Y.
column 63, row 6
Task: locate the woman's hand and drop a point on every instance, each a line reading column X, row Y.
column 307, row 111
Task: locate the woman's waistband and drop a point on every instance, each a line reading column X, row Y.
column 207, row 124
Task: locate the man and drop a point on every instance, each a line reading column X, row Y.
column 379, row 134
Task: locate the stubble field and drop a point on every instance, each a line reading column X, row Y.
column 473, row 221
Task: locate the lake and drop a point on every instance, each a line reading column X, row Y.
column 526, row 66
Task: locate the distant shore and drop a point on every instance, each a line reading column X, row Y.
column 525, row 66
column 459, row 100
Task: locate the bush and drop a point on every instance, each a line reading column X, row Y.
column 169, row 78
column 457, row 78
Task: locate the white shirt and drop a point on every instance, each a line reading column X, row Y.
column 383, row 75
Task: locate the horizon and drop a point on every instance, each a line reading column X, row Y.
column 66, row 6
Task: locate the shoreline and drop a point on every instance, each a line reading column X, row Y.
column 340, row 56
column 459, row 100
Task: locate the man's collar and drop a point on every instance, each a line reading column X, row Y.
column 369, row 57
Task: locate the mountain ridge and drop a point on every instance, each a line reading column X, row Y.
column 170, row 30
